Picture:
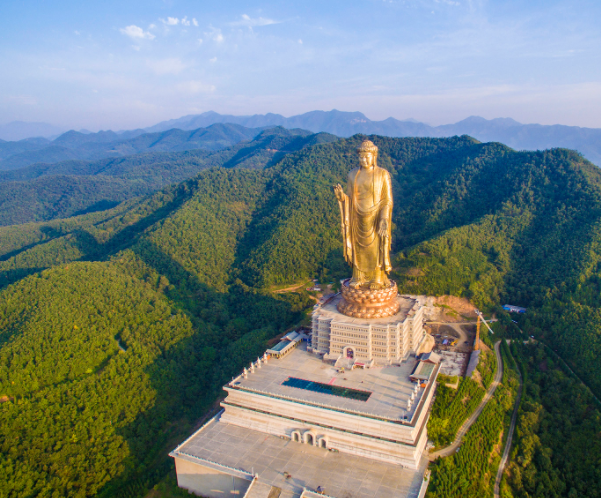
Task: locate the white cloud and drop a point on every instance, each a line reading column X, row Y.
column 185, row 21
column 215, row 34
column 213, row 60
column 171, row 21
column 300, row 41
column 137, row 33
column 77, row 33
column 251, row 23
column 200, row 41
column 152, row 26
column 195, row 22
column 195, row 87
column 136, row 48
column 166, row 66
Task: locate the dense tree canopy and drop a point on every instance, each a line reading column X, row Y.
column 558, row 443
column 165, row 297
column 43, row 192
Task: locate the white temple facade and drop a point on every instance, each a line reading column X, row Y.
column 380, row 341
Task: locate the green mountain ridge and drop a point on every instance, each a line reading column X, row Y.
column 47, row 191
column 180, row 279
column 74, row 145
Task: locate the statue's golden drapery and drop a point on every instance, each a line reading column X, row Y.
column 366, row 210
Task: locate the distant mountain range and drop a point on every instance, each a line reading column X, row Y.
column 89, row 146
column 343, row 124
column 75, row 145
column 519, row 136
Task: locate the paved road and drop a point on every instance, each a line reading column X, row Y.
column 452, row 448
column 505, row 456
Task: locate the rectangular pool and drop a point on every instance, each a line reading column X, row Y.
column 318, row 387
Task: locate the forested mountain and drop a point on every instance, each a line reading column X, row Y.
column 108, row 144
column 557, row 444
column 43, row 192
column 8, row 149
column 587, row 141
column 167, row 296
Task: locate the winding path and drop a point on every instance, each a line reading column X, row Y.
column 452, row 448
column 505, row 456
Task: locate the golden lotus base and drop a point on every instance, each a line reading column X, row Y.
column 366, row 303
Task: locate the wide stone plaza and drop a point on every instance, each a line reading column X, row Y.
column 355, row 433
column 273, row 458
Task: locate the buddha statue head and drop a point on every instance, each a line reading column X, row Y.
column 368, row 154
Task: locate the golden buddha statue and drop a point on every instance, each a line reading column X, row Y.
column 366, row 211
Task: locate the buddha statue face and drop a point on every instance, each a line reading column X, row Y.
column 367, row 154
column 366, row 159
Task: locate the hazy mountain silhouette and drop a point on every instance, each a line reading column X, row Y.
column 336, row 122
column 520, row 136
column 18, row 130
column 87, row 145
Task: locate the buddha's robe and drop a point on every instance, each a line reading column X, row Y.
column 368, row 201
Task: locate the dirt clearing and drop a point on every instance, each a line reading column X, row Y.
column 455, row 309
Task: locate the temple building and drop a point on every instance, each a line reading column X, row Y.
column 340, row 411
column 377, row 341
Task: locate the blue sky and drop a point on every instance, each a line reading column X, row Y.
column 127, row 64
